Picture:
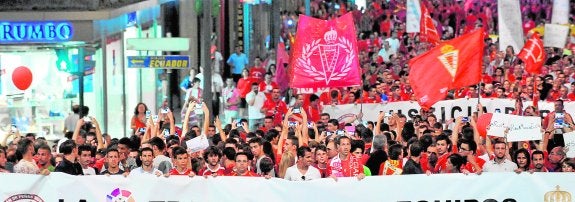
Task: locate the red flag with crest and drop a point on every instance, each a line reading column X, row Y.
column 325, row 54
column 453, row 64
column 533, row 54
column 427, row 30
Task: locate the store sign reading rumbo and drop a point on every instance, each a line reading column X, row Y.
column 21, row 32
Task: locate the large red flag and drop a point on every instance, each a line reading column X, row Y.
column 453, row 64
column 427, row 30
column 533, row 54
column 325, row 54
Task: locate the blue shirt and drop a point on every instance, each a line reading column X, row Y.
column 239, row 62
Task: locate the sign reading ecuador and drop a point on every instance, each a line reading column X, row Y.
column 159, row 62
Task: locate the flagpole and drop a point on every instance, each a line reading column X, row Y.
column 479, row 92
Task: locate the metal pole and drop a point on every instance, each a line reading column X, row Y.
column 80, row 74
column 275, row 25
column 206, row 55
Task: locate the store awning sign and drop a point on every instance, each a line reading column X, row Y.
column 37, row 32
column 160, row 62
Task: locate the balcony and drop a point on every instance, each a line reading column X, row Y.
column 62, row 5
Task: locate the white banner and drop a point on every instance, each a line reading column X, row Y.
column 569, row 139
column 413, row 16
column 444, row 110
column 560, row 14
column 555, row 35
column 406, row 188
column 521, row 128
column 510, row 25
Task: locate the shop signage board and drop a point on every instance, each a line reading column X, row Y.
column 39, row 32
column 160, row 62
column 158, row 44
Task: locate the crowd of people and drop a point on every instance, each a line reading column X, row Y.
column 259, row 127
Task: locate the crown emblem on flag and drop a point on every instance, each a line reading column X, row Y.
column 449, row 59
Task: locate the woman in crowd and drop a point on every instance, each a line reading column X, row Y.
column 139, row 117
column 522, row 159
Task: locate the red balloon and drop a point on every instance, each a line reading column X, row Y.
column 482, row 123
column 22, row 77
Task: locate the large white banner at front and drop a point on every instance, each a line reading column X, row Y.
column 555, row 35
column 443, row 110
column 510, row 25
column 413, row 16
column 560, row 13
column 508, row 187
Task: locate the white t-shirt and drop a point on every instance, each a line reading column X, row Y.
column 505, row 166
column 293, row 174
column 140, row 171
column 218, row 58
column 89, row 171
column 254, row 110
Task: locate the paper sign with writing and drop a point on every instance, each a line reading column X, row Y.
column 522, row 128
column 498, row 125
column 570, row 144
column 198, row 143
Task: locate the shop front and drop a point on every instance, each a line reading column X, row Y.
column 45, row 59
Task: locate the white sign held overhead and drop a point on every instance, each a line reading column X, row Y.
column 498, row 125
column 569, row 139
column 510, row 25
column 560, row 13
column 413, row 16
column 555, row 35
column 523, row 128
column 198, row 143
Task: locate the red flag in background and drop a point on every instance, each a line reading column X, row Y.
column 282, row 58
column 427, row 30
column 453, row 64
column 325, row 54
column 533, row 54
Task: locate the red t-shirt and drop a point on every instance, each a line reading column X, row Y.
column 220, row 171
column 245, row 85
column 322, row 171
column 348, row 167
column 267, row 89
column 249, row 173
column 174, row 171
column 375, row 99
column 275, row 109
column 258, row 73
